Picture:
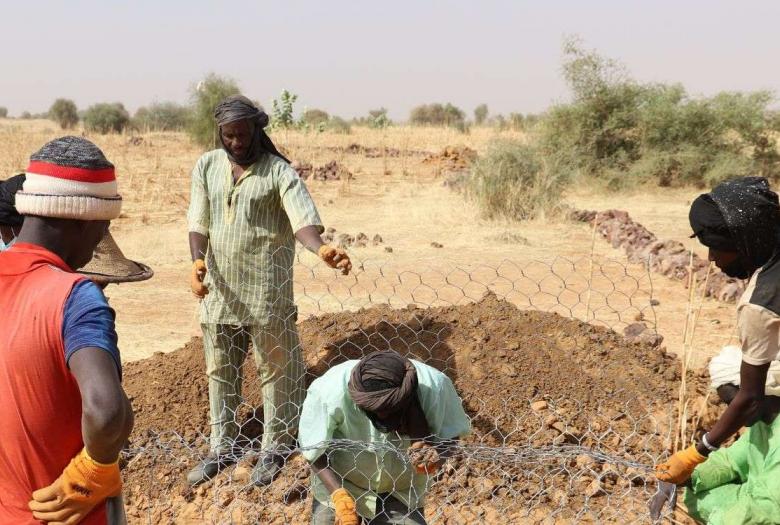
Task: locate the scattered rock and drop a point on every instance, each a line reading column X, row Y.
column 329, row 172
column 436, row 245
column 669, row 257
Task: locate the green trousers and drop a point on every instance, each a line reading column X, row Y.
column 277, row 355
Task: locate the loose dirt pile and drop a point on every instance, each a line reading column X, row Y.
column 531, row 381
column 329, row 172
column 669, row 257
column 451, row 159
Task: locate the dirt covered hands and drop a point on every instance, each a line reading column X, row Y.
column 336, row 258
column 425, row 457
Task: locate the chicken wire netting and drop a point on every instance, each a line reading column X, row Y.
column 570, row 395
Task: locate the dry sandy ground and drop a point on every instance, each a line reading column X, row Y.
column 409, row 208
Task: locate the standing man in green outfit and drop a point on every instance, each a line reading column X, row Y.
column 248, row 206
column 401, row 418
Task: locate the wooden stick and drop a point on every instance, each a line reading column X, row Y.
column 680, row 430
column 590, row 271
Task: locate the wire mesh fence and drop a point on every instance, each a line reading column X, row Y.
column 556, row 365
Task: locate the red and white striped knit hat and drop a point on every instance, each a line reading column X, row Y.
column 70, row 178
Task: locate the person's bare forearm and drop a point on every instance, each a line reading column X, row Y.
column 309, row 237
column 746, row 407
column 199, row 244
column 106, row 413
column 329, row 478
column 743, row 410
column 105, row 433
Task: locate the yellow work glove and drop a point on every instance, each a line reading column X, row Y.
column 335, row 258
column 679, row 467
column 346, row 514
column 196, row 281
column 83, row 484
column 425, row 458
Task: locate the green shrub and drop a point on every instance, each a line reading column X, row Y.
column 339, row 125
column 314, row 117
column 513, row 181
column 438, row 115
column 162, row 116
column 204, row 97
column 106, row 118
column 3, row 112
column 616, row 127
column 480, row 114
column 26, row 115
column 64, row 112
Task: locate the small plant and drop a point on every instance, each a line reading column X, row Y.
column 64, row 112
column 282, row 112
column 106, row 118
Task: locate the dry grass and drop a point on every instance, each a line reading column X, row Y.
column 408, row 207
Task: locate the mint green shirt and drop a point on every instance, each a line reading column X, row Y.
column 251, row 227
column 378, row 464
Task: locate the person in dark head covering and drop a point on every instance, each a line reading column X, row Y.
column 384, row 400
column 384, row 386
column 247, row 209
column 241, row 130
column 739, row 221
column 10, row 219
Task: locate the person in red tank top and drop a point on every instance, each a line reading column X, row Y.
column 65, row 416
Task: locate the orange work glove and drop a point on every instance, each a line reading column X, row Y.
column 82, row 485
column 196, row 281
column 425, row 458
column 335, row 258
column 346, row 514
column 679, row 467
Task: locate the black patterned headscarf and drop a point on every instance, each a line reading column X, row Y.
column 740, row 215
column 238, row 107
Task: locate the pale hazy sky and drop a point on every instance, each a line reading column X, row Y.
column 348, row 56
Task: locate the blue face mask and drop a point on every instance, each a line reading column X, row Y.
column 4, row 246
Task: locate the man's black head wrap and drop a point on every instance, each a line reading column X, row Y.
column 386, row 382
column 740, row 216
column 238, row 107
column 8, row 188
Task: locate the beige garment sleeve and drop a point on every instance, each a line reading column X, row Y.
column 758, row 333
column 296, row 200
column 198, row 216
